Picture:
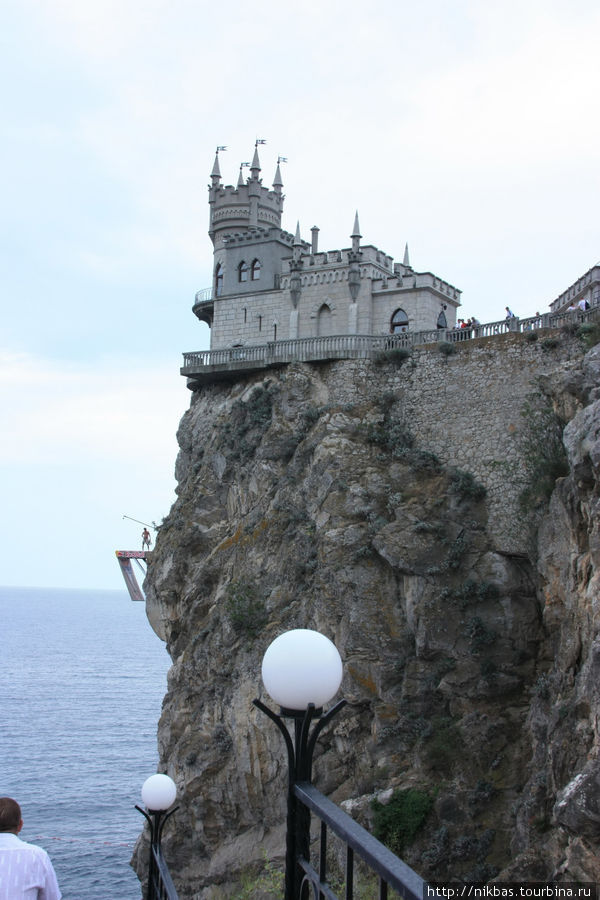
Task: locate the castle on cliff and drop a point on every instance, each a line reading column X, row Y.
column 276, row 298
column 269, row 285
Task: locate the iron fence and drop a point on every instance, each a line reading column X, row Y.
column 390, row 871
column 160, row 883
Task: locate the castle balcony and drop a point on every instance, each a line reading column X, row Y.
column 228, row 364
column 204, row 307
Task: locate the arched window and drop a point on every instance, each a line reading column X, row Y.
column 442, row 321
column 324, row 321
column 399, row 322
column 243, row 271
column 255, row 270
column 219, row 280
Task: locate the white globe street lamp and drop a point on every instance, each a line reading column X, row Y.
column 301, row 671
column 302, row 667
column 158, row 794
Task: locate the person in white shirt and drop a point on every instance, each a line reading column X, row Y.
column 26, row 872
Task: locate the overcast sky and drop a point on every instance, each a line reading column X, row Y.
column 468, row 129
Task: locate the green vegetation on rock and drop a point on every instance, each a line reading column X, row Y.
column 396, row 823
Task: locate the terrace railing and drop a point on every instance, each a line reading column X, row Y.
column 356, row 346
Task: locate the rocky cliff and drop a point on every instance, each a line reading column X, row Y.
column 338, row 497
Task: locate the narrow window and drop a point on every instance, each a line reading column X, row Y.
column 399, row 322
column 243, row 271
column 255, row 270
column 260, row 323
column 274, row 331
column 324, row 321
column 245, row 315
column 219, row 280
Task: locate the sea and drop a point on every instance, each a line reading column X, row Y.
column 83, row 677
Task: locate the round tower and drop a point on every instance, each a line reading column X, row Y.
column 245, row 207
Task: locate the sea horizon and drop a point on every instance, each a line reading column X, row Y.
column 84, row 678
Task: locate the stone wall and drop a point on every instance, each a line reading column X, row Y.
column 467, row 408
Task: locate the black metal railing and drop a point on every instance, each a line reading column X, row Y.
column 160, row 883
column 390, row 871
column 302, row 879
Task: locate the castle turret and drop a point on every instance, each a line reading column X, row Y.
column 245, row 228
column 249, row 205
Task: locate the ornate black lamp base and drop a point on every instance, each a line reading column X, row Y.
column 300, row 753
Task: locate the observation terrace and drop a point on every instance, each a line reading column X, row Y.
column 227, row 364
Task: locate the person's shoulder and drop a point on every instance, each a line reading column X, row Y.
column 34, row 849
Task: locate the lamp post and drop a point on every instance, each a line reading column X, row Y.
column 158, row 794
column 301, row 671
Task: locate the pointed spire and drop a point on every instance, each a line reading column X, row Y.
column 241, row 178
column 255, row 165
column 406, row 260
column 297, row 238
column 356, row 235
column 277, row 182
column 216, row 171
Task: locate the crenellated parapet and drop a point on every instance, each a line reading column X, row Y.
column 376, row 267
column 259, row 234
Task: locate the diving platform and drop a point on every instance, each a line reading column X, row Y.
column 125, row 559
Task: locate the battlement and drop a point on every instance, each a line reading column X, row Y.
column 229, row 202
column 332, row 266
column 256, row 235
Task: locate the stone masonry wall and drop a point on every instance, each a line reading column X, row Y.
column 238, row 320
column 467, row 409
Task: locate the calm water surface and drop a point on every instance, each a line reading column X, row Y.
column 83, row 677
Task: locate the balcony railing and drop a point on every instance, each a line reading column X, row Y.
column 356, row 346
column 204, row 296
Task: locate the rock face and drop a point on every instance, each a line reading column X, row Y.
column 319, row 497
